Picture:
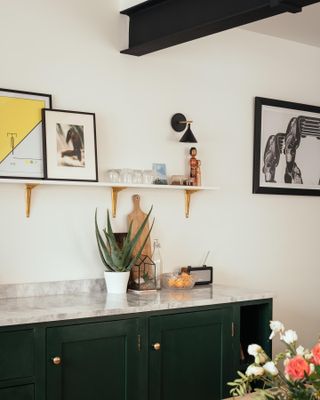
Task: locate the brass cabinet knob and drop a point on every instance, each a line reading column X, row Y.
column 56, row 360
column 156, row 346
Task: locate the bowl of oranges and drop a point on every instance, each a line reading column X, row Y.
column 177, row 281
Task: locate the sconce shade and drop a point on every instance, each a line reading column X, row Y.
column 188, row 136
column 179, row 123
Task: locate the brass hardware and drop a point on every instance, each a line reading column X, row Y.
column 139, row 342
column 114, row 199
column 233, row 329
column 187, row 197
column 156, row 346
column 185, row 122
column 56, row 360
column 28, row 188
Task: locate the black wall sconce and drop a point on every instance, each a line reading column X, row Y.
column 179, row 123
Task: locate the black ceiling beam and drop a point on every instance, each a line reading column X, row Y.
column 158, row 24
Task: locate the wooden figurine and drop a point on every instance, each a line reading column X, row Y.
column 195, row 170
column 198, row 173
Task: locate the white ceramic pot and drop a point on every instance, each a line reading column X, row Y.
column 116, row 282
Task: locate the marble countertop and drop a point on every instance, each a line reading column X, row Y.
column 25, row 310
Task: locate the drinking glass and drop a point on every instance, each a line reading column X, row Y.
column 148, row 177
column 137, row 176
column 126, row 175
column 113, row 176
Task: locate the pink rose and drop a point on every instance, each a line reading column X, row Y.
column 316, row 354
column 296, row 367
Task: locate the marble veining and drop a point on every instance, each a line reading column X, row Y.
column 52, row 288
column 24, row 310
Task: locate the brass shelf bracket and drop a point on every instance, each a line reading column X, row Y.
column 114, row 198
column 28, row 189
column 115, row 189
column 187, row 200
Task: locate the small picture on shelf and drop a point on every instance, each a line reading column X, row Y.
column 70, row 147
column 160, row 174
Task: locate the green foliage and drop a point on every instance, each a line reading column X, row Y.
column 240, row 386
column 113, row 257
column 279, row 388
column 300, row 379
column 302, row 391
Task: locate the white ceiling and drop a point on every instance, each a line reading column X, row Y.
column 128, row 3
column 302, row 27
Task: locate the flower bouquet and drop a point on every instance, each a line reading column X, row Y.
column 298, row 379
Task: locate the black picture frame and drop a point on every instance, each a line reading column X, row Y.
column 85, row 167
column 24, row 147
column 283, row 157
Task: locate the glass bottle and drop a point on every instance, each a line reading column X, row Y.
column 157, row 259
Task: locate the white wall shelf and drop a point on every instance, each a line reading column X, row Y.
column 115, row 188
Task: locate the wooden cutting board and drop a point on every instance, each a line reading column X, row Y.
column 137, row 216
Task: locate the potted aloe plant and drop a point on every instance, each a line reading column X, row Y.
column 117, row 260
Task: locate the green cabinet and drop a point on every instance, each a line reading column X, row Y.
column 176, row 354
column 25, row 392
column 18, row 360
column 252, row 321
column 190, row 355
column 17, row 354
column 93, row 361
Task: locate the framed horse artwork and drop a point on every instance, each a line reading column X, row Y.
column 286, row 148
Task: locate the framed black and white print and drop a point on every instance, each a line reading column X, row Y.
column 70, row 147
column 21, row 147
column 286, row 148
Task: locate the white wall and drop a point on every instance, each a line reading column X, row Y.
column 71, row 49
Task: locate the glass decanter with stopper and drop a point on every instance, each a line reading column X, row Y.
column 157, row 259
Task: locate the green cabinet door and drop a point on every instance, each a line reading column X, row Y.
column 17, row 354
column 93, row 361
column 25, row 392
column 194, row 358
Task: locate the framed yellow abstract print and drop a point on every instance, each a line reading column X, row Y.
column 21, row 138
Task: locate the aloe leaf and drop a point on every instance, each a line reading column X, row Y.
column 135, row 239
column 113, row 246
column 116, row 254
column 140, row 230
column 128, row 238
column 102, row 257
column 131, row 244
column 127, row 249
column 110, row 231
column 101, row 244
column 133, row 261
column 113, row 257
column 103, row 250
